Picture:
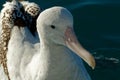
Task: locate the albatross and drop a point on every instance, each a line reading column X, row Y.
column 55, row 57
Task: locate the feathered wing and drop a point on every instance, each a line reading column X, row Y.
column 9, row 15
column 2, row 74
column 29, row 15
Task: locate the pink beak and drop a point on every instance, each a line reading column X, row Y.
column 73, row 44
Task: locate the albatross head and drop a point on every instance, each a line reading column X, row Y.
column 55, row 25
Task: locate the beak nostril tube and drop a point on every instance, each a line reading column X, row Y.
column 75, row 46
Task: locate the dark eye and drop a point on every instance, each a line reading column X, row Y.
column 52, row 26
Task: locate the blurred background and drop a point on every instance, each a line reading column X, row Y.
column 96, row 24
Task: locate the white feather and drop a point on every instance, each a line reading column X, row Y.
column 18, row 46
column 30, row 60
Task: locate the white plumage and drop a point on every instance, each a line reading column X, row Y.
column 52, row 59
column 55, row 61
column 20, row 34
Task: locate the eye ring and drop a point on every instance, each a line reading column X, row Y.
column 52, row 26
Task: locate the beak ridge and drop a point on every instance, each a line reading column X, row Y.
column 73, row 44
